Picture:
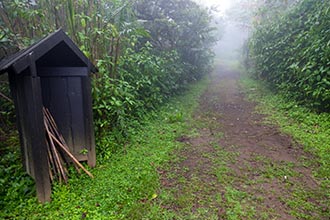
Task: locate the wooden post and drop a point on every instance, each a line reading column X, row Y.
column 34, row 115
column 87, row 96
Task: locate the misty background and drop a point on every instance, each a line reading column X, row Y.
column 229, row 47
column 232, row 24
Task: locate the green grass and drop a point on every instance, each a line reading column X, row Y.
column 126, row 185
column 312, row 131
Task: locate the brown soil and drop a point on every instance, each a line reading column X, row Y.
column 226, row 119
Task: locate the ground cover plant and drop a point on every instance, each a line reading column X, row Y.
column 126, row 184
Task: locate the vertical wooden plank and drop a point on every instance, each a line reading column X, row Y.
column 46, row 91
column 77, row 115
column 37, row 137
column 89, row 126
column 56, row 89
column 15, row 87
column 23, row 102
column 37, row 133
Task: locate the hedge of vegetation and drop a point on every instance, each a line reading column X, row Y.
column 292, row 52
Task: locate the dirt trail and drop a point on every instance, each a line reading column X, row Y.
column 235, row 166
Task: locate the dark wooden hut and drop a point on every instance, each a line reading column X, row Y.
column 53, row 73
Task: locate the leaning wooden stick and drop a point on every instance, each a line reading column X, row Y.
column 53, row 124
column 53, row 159
column 55, row 139
column 54, row 130
column 6, row 97
column 57, row 160
column 70, row 155
column 49, row 165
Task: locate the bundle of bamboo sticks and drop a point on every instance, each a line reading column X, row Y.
column 59, row 155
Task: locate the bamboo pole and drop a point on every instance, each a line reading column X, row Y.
column 71, row 156
column 54, row 130
column 50, row 165
column 54, row 140
column 57, row 160
column 6, row 97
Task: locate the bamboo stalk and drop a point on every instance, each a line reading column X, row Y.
column 114, row 74
column 57, row 170
column 50, row 158
column 57, row 165
column 6, row 97
column 54, row 129
column 61, row 171
column 56, row 139
column 50, row 165
column 54, row 125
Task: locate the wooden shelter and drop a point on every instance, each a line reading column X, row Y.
column 53, row 73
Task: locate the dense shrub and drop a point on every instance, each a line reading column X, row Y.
column 292, row 52
column 144, row 82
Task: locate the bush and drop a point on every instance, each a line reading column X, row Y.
column 292, row 52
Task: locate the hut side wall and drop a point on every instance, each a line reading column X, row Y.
column 26, row 91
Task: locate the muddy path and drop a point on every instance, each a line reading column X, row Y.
column 235, row 166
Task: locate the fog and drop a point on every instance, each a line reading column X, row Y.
column 232, row 34
column 229, row 48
